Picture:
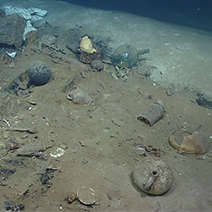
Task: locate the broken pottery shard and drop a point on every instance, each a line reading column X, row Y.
column 196, row 143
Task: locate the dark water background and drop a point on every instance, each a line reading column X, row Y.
column 191, row 13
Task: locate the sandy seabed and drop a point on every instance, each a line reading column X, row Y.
column 101, row 138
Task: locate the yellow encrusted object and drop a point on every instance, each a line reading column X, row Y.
column 86, row 45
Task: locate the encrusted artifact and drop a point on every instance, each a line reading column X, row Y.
column 47, row 40
column 152, row 176
column 86, row 45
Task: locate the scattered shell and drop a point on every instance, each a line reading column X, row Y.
column 53, row 166
column 78, row 96
column 71, row 198
column 57, row 153
column 12, row 143
column 193, row 144
column 140, row 150
column 31, row 101
column 122, row 73
column 86, row 195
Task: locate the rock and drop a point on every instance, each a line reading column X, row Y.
column 97, row 65
column 73, row 46
column 12, row 29
column 31, row 14
column 2, row 13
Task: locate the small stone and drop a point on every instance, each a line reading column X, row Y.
column 6, row 134
column 78, row 96
column 97, row 65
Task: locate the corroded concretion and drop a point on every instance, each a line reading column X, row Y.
column 193, row 144
column 39, row 73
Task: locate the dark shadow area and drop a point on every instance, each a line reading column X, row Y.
column 191, row 13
